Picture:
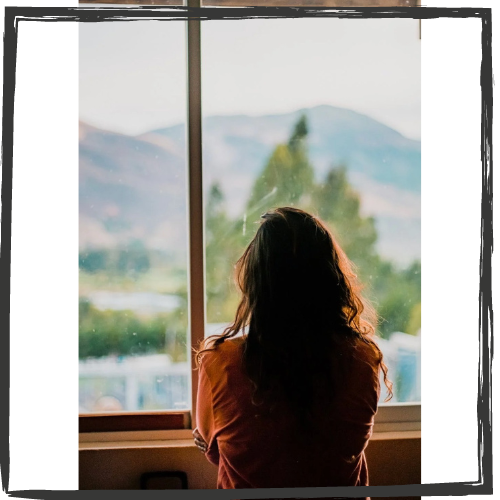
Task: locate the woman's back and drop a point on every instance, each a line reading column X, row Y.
column 257, row 448
column 292, row 403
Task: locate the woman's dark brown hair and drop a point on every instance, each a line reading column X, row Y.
column 300, row 297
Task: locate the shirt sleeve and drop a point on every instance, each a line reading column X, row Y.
column 358, row 412
column 205, row 420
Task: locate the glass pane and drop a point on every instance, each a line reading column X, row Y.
column 349, row 91
column 133, row 235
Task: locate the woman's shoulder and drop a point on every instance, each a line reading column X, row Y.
column 359, row 367
column 224, row 353
column 363, row 351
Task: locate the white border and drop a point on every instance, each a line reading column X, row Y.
column 57, row 469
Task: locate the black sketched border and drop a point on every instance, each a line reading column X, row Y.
column 484, row 484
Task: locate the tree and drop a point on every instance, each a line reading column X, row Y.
column 396, row 294
column 125, row 333
column 288, row 176
column 338, row 204
column 223, row 245
column 287, row 179
column 415, row 320
column 93, row 260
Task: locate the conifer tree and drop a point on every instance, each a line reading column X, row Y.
column 287, row 179
column 338, row 204
column 221, row 252
column 288, row 176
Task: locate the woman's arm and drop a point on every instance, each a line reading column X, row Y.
column 205, row 420
column 358, row 407
column 199, row 441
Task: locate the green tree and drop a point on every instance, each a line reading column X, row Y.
column 93, row 260
column 288, row 176
column 338, row 204
column 287, row 179
column 393, row 291
column 396, row 294
column 224, row 244
column 125, row 333
column 415, row 320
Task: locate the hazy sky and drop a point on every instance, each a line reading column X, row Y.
column 133, row 75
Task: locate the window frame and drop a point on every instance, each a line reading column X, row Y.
column 165, row 424
column 128, row 421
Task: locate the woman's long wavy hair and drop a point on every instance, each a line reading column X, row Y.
column 300, row 297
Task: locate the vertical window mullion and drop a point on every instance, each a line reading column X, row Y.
column 195, row 198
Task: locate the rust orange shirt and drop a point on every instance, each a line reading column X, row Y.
column 253, row 450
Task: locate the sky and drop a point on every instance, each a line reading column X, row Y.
column 133, row 74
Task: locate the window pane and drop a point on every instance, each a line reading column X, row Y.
column 350, row 89
column 133, row 233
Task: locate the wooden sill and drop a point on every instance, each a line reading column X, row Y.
column 144, row 421
column 135, row 445
column 183, row 439
column 381, row 436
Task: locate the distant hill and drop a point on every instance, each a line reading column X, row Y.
column 130, row 189
column 134, row 187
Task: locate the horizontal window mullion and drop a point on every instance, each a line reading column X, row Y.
column 112, row 422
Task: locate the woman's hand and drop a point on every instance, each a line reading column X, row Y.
column 199, row 441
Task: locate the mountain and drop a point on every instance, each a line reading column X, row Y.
column 130, row 189
column 134, row 187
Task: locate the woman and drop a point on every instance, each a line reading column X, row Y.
column 291, row 403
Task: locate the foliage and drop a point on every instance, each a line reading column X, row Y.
column 414, row 322
column 336, row 202
column 93, row 260
column 134, row 258
column 224, row 242
column 104, row 333
column 287, row 180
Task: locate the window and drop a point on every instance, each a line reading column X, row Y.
column 133, row 313
column 357, row 110
column 145, row 265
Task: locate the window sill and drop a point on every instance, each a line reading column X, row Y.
column 397, row 421
column 136, row 445
column 394, row 435
column 184, row 439
column 154, row 421
column 398, row 417
column 104, row 438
